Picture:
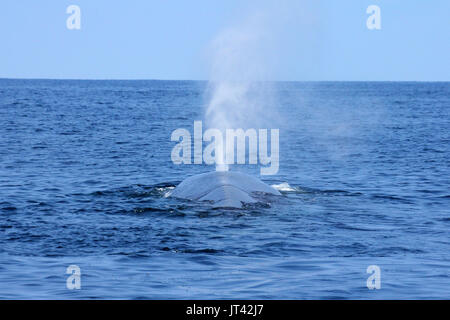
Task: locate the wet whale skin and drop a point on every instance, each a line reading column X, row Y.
column 223, row 188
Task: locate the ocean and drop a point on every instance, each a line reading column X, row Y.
column 85, row 167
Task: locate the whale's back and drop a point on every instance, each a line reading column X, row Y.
column 223, row 188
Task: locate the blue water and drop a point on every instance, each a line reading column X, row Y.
column 85, row 165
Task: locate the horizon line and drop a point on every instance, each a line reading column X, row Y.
column 205, row 80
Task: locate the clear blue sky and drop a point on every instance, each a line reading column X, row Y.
column 158, row 39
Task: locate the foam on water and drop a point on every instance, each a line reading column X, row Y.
column 284, row 186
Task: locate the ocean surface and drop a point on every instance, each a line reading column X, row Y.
column 85, row 167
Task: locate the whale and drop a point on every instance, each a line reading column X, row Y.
column 224, row 189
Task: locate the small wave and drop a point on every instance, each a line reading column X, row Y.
column 137, row 191
column 286, row 187
column 150, row 209
column 392, row 198
column 9, row 208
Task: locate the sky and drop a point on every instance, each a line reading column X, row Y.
column 315, row 40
